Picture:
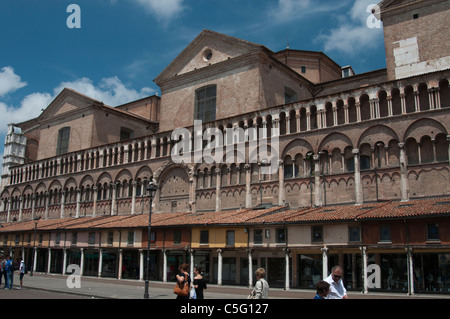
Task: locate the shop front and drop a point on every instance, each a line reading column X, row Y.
column 431, row 272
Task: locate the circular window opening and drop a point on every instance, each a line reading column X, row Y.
column 207, row 55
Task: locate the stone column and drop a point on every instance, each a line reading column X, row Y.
column 64, row 261
column 141, row 264
column 357, row 175
column 62, row 205
column 281, row 195
column 404, row 183
column 77, row 212
column 20, row 208
column 364, row 265
column 119, row 275
column 250, row 268
column 100, row 263
column 49, row 260
column 218, row 195
column 219, row 267
column 286, row 279
column 94, row 204
column 133, row 198
column 82, row 261
column 248, row 190
column 164, row 265
column 317, row 189
column 324, row 262
column 410, row 264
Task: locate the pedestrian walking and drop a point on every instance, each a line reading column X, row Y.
column 261, row 289
column 322, row 290
column 199, row 283
column 182, row 278
column 21, row 271
column 337, row 289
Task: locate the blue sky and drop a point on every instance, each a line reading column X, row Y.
column 123, row 45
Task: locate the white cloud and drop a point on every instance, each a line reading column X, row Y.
column 289, row 9
column 30, row 107
column 110, row 91
column 354, row 33
column 163, row 10
column 9, row 81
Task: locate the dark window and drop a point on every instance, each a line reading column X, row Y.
column 354, row 234
column 230, row 237
column 385, row 233
column 126, row 134
column 110, row 239
column 204, row 237
column 365, row 162
column 177, row 237
column 281, row 235
column 432, row 232
column 91, row 238
column 63, row 141
column 205, row 104
column 130, row 238
column 258, row 236
column 303, row 69
column 317, row 234
column 289, row 95
column 74, row 238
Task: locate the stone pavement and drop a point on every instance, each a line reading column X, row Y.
column 132, row 289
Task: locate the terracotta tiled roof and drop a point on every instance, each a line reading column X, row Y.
column 273, row 215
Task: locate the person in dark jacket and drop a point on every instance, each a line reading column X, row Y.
column 199, row 282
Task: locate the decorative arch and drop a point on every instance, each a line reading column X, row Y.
column 424, row 126
column 377, row 133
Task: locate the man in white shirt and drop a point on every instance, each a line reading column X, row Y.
column 337, row 289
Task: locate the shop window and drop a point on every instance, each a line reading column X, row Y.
column 433, row 232
column 204, row 237
column 317, row 234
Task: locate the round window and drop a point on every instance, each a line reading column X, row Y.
column 207, row 54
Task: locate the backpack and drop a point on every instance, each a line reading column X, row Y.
column 8, row 265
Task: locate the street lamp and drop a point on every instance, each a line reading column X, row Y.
column 151, row 188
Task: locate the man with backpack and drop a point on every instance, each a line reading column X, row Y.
column 9, row 268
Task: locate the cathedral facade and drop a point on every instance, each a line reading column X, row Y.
column 284, row 160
